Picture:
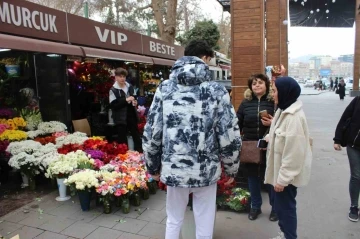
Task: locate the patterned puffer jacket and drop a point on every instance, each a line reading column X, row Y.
column 191, row 127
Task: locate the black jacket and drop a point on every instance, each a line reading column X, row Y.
column 252, row 128
column 353, row 112
column 248, row 114
column 122, row 112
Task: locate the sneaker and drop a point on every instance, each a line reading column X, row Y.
column 354, row 214
column 280, row 236
column 254, row 213
column 273, row 217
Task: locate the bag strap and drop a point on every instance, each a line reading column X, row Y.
column 266, row 132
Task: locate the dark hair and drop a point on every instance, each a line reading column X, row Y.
column 261, row 77
column 199, row 48
column 121, row 72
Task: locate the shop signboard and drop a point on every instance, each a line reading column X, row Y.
column 23, row 18
column 158, row 48
column 19, row 17
column 87, row 32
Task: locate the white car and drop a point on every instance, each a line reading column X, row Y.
column 349, row 84
column 309, row 83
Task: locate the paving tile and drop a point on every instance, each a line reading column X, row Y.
column 105, row 233
column 65, row 210
column 8, row 227
column 36, row 220
column 164, row 221
column 79, row 230
column 152, row 216
column 154, row 204
column 57, row 224
column 26, row 232
column 85, row 216
column 131, row 236
column 153, row 230
column 18, row 216
column 135, row 212
column 46, row 206
column 106, row 220
column 50, row 235
column 130, row 225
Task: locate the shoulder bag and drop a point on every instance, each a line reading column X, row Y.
column 250, row 153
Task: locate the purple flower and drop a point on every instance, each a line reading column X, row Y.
column 95, row 154
column 7, row 113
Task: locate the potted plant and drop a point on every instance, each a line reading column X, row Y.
column 83, row 182
column 12, row 66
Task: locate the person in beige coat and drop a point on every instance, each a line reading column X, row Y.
column 289, row 154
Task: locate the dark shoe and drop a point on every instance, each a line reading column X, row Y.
column 254, row 213
column 354, row 214
column 273, row 217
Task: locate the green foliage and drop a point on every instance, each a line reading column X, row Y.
column 203, row 30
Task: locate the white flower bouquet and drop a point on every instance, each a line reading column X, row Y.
column 52, row 127
column 83, row 180
column 75, row 138
column 27, row 146
column 35, row 133
column 27, row 163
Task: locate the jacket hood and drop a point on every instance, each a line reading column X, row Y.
column 249, row 95
column 190, row 70
column 116, row 85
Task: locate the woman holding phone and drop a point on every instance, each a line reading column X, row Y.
column 255, row 115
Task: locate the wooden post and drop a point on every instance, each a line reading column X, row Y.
column 277, row 32
column 248, row 44
column 356, row 75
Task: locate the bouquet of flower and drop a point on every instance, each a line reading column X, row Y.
column 32, row 116
column 7, row 113
column 75, row 138
column 13, row 135
column 35, row 133
column 46, row 140
column 15, row 123
column 65, row 149
column 107, row 182
column 48, row 158
column 112, row 150
column 141, row 124
column 94, row 143
column 239, row 199
column 83, row 180
column 27, row 146
column 61, row 167
column 52, row 127
column 27, row 163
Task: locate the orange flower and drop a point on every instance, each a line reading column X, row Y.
column 122, row 157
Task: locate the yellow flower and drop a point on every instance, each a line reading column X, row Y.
column 97, row 138
column 12, row 125
column 13, row 135
column 3, row 121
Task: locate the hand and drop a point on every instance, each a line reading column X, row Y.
column 337, row 147
column 230, row 181
column 156, row 177
column 278, row 188
column 266, row 121
column 130, row 99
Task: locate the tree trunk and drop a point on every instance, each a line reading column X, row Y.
column 167, row 29
column 186, row 16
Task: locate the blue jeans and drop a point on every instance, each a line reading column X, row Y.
column 255, row 193
column 285, row 205
column 354, row 185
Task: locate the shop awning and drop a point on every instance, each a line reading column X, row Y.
column 33, row 45
column 163, row 62
column 115, row 55
column 225, row 67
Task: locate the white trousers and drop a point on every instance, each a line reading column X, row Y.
column 204, row 208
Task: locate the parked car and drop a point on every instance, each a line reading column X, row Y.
column 309, row 83
column 350, row 83
column 302, row 81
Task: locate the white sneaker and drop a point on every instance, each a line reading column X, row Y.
column 280, row 236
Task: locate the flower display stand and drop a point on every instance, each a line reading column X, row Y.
column 62, row 190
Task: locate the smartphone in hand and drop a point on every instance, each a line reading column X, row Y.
column 264, row 114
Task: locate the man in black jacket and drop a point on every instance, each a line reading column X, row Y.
column 123, row 104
